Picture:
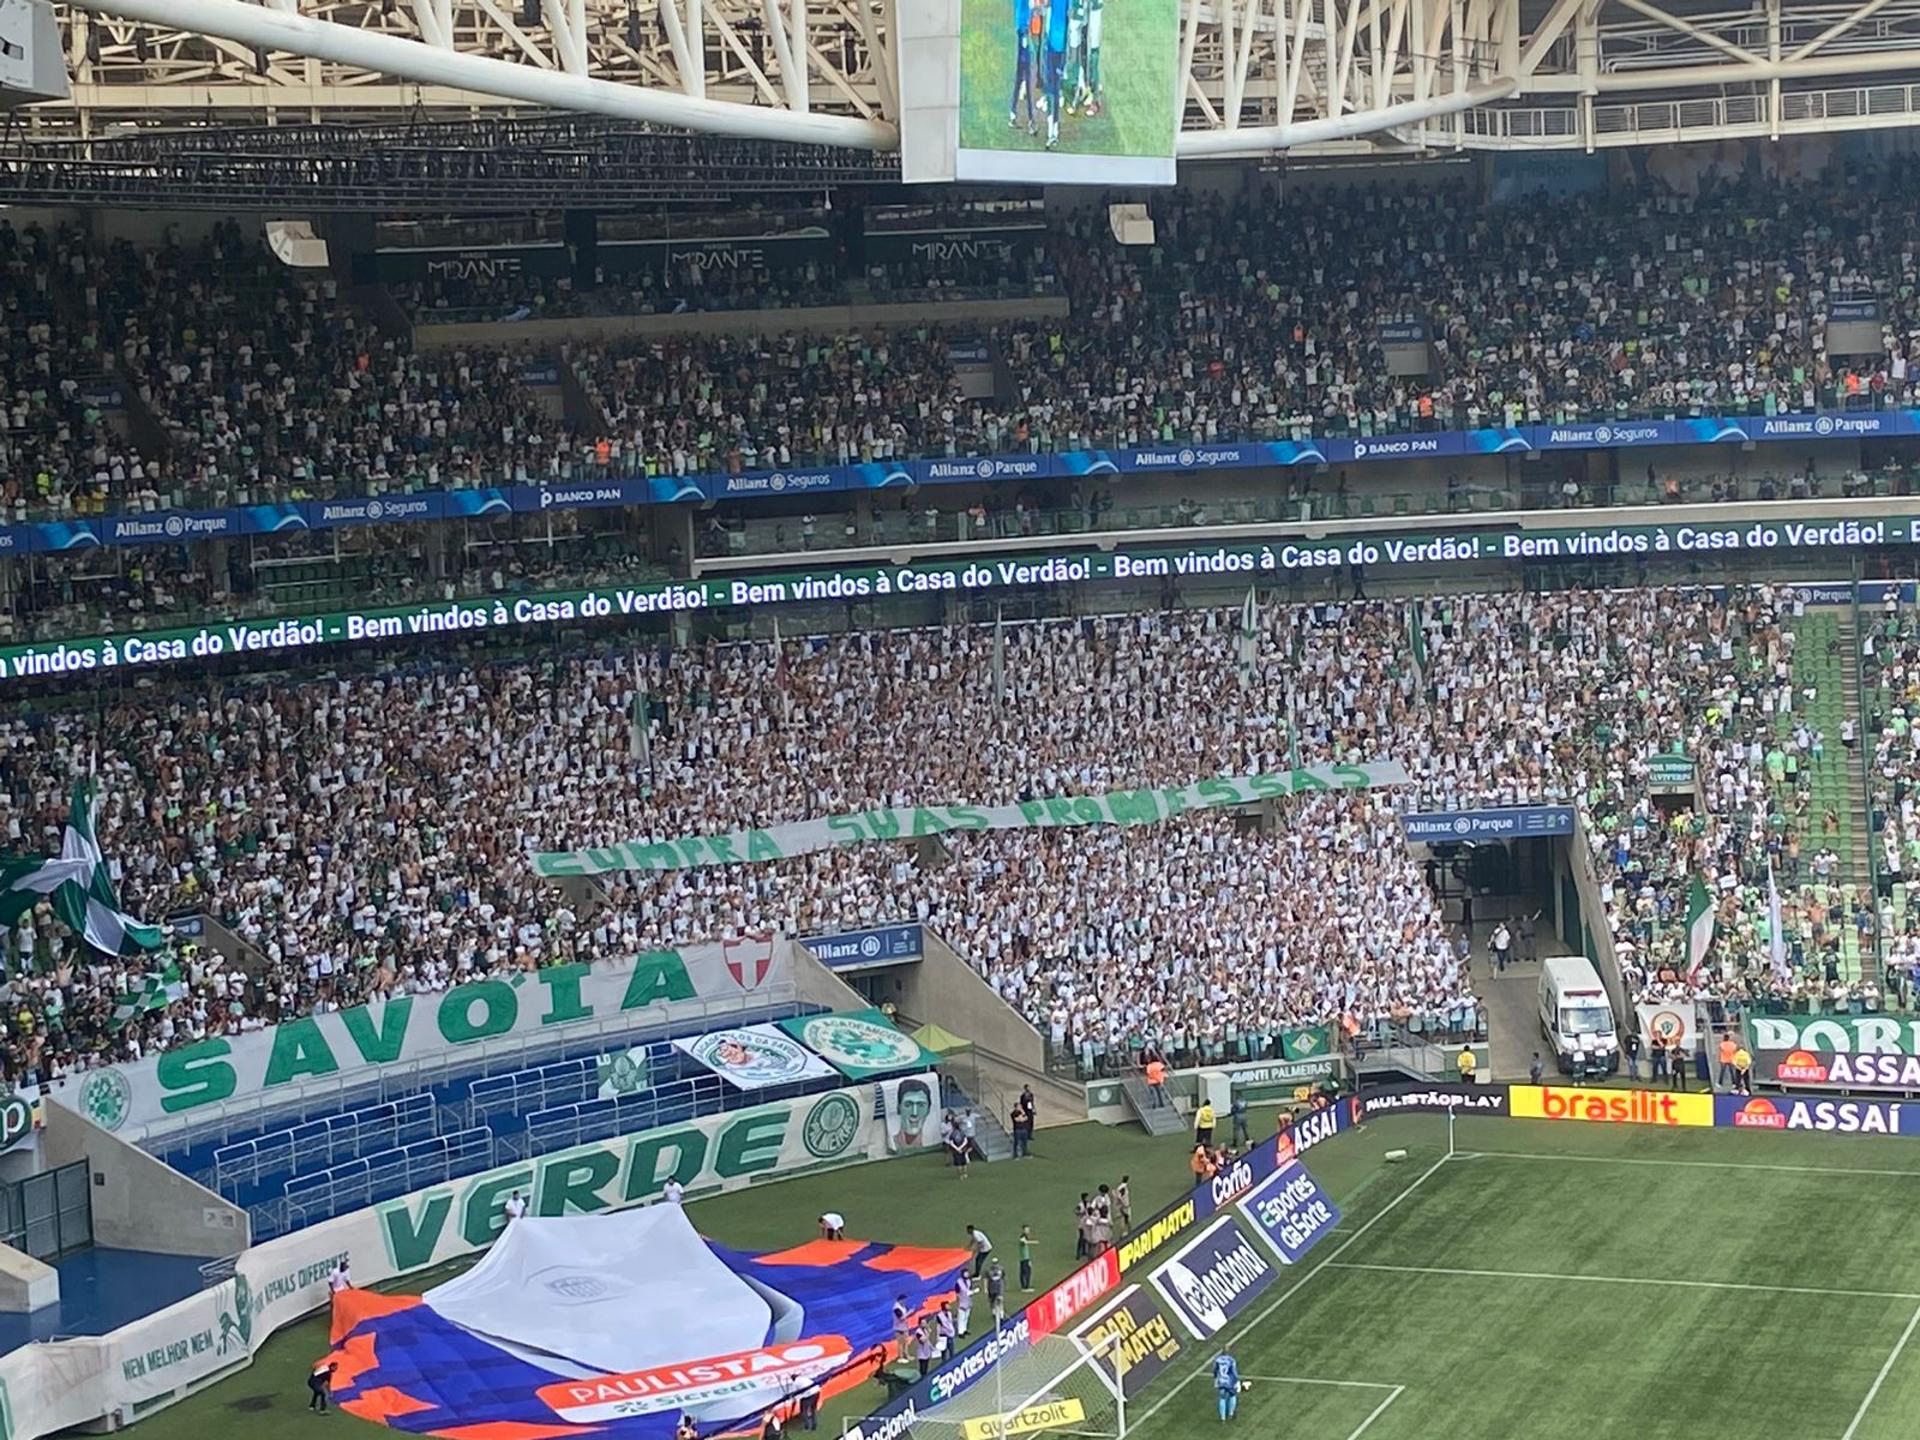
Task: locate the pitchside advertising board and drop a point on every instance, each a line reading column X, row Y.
column 1214, row 1278
column 1840, row 1117
column 1133, row 1339
column 1291, row 1210
column 1434, row 1100
column 1838, row 1052
column 1609, row 1107
column 1837, row 1070
column 348, row 1045
column 1074, row 1305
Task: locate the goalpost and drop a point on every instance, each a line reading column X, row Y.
column 1056, row 1387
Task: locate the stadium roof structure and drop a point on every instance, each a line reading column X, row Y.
column 819, row 77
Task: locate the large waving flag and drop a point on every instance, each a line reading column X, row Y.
column 80, row 887
column 25, row 883
column 1700, row 917
column 90, row 907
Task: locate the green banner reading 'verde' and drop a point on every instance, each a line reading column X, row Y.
column 1116, row 807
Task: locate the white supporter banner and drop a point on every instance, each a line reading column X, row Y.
column 199, row 1340
column 755, row 1057
column 341, row 1047
column 913, row 1115
column 1669, row 1021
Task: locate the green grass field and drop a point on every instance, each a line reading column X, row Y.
column 1547, row 1280
column 1555, row 1280
column 1140, row 43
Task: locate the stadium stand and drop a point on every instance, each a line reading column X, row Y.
column 1540, row 308
column 366, row 835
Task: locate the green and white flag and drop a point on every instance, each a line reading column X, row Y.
column 999, row 659
column 88, row 904
column 1699, row 926
column 1417, row 639
column 1249, row 638
column 159, row 990
column 1776, row 932
column 640, row 723
column 623, row 1073
column 79, row 886
column 25, row 883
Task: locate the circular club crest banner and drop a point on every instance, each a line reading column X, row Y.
column 754, row 1057
column 860, row 1044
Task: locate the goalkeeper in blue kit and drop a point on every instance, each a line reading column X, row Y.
column 1226, row 1383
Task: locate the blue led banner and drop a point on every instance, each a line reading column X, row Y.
column 611, row 490
column 1513, row 823
column 860, row 949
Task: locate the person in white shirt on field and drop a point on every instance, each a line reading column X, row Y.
column 339, row 1278
column 673, row 1192
column 516, row 1207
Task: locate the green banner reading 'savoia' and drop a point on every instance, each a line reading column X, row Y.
column 1116, row 807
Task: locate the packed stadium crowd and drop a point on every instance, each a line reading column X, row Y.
column 1244, row 320
column 369, row 836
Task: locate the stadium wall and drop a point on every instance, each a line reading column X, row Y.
column 200, row 1340
column 140, row 1203
column 946, row 988
column 818, row 984
column 1593, row 919
column 26, row 1284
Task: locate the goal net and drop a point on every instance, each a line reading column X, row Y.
column 1054, row 1388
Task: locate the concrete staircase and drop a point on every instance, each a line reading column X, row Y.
column 1855, row 821
column 1158, row 1119
column 991, row 1137
column 1827, row 657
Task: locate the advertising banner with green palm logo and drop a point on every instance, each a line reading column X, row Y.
column 860, row 1044
column 753, row 1057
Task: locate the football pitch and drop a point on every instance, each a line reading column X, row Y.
column 1547, row 1279
column 1552, row 1280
